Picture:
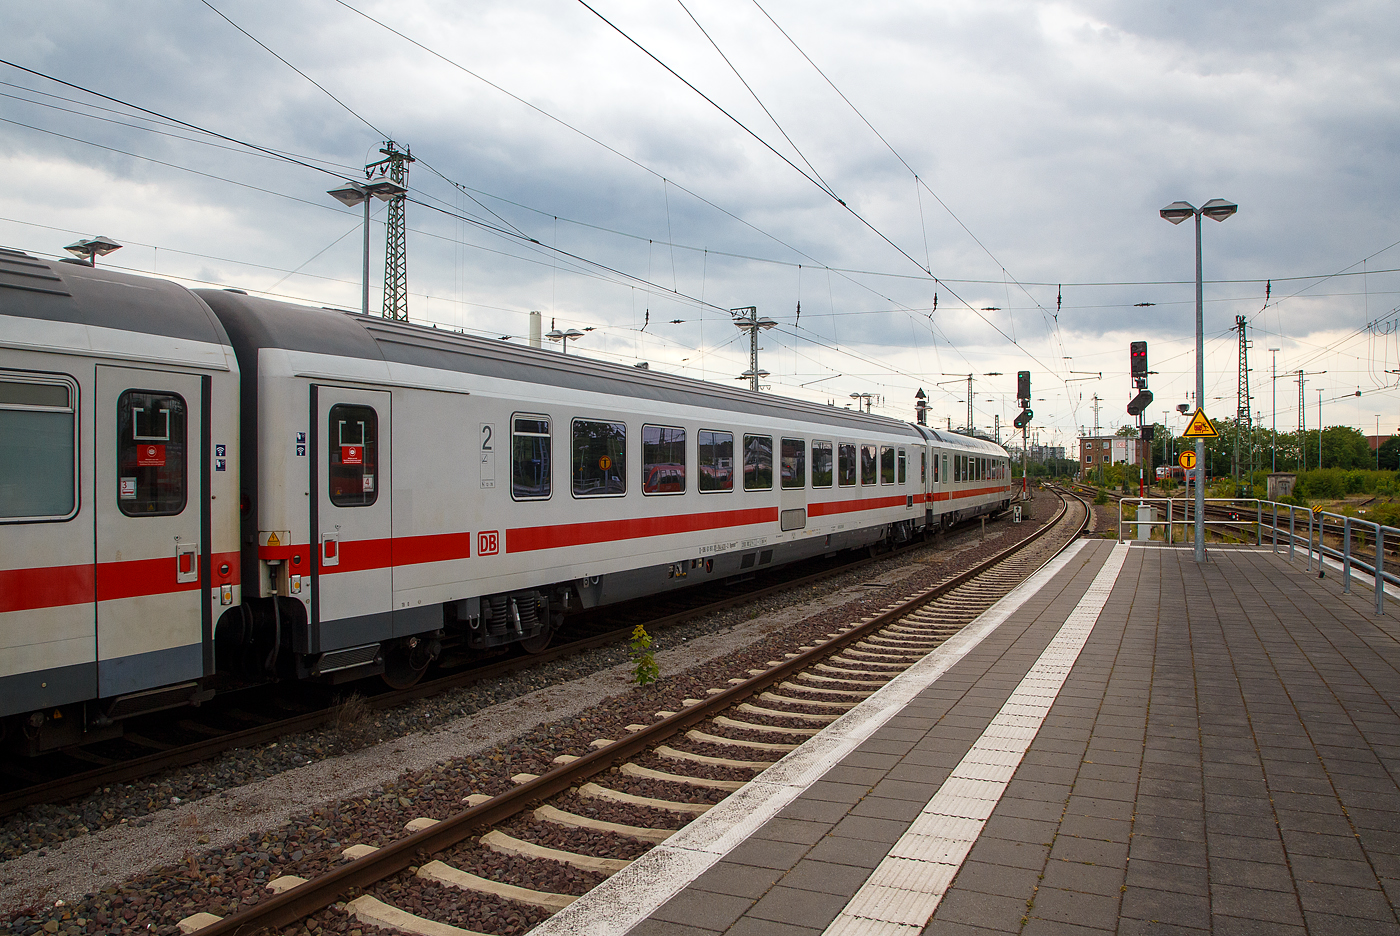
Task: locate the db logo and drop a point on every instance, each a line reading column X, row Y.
column 488, row 544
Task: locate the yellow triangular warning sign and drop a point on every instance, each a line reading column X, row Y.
column 1200, row 427
column 272, row 540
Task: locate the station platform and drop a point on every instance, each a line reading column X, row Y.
column 1129, row 743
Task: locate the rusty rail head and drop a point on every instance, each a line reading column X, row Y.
column 305, row 899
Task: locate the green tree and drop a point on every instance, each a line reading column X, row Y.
column 1390, row 454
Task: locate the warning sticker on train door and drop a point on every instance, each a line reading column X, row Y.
column 488, row 455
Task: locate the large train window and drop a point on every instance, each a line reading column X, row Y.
column 150, row 453
column 821, row 464
column 600, row 458
column 39, row 455
column 902, row 461
column 530, row 462
column 663, row 460
column 354, row 455
column 846, row 464
column 758, row 463
column 869, row 464
column 716, row 460
column 794, row 464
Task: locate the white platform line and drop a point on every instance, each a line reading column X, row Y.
column 905, row 889
column 633, row 894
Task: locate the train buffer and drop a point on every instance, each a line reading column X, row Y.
column 1130, row 737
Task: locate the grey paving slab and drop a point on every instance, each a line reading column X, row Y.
column 1223, row 758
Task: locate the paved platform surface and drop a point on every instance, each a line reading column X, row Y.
column 1222, row 756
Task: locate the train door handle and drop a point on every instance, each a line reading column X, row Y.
column 186, row 568
column 330, row 549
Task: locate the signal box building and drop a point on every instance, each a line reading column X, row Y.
column 1096, row 451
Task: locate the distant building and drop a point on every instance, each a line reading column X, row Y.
column 1096, row 451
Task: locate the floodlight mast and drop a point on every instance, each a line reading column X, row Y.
column 1217, row 209
column 746, row 319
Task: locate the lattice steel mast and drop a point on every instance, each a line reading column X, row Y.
column 1243, row 423
column 395, row 165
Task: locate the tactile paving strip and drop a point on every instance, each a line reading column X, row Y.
column 904, row 890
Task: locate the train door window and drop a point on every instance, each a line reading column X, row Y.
column 902, row 462
column 600, row 458
column 945, row 468
column 846, row 464
column 887, row 464
column 716, row 460
column 354, row 455
column 794, row 463
column 530, row 462
column 758, row 463
column 923, row 466
column 821, row 464
column 663, row 460
column 150, row 453
column 39, row 454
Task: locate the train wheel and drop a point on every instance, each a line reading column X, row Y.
column 539, row 642
column 405, row 663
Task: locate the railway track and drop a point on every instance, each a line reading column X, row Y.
column 517, row 857
column 161, row 744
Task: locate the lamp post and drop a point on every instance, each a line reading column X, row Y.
column 572, row 334
column 746, row 319
column 356, row 193
column 1217, row 209
column 1273, row 443
column 864, row 398
column 90, row 248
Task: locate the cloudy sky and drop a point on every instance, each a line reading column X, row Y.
column 945, row 187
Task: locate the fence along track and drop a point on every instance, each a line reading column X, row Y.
column 869, row 652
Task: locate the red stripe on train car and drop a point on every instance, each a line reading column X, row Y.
column 525, row 539
column 439, row 547
column 27, row 589
column 847, row 506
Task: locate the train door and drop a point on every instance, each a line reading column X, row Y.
column 792, row 484
column 352, row 584
column 152, row 528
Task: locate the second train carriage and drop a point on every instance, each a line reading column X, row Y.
column 407, row 491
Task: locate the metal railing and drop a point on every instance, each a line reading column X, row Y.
column 1170, row 513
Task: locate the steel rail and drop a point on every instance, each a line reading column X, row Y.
column 315, row 895
column 74, row 785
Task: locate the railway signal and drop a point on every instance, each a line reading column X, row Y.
column 1137, row 354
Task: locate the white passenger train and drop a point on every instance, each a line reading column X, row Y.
column 200, row 490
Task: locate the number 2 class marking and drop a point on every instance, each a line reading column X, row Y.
column 486, row 438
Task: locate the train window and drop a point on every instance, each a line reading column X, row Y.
column 716, row 460
column 758, row 463
column 663, row 460
column 600, row 458
column 354, row 455
column 150, row 453
column 794, row 463
column 902, row 461
column 923, row 466
column 887, row 464
column 946, row 476
column 821, row 464
column 530, row 461
column 869, row 464
column 846, row 464
column 38, row 461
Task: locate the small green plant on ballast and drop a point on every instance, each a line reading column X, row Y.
column 644, row 669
